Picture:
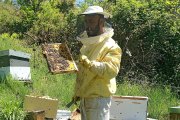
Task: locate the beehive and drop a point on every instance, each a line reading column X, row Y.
column 59, row 58
column 15, row 63
column 128, row 108
column 174, row 113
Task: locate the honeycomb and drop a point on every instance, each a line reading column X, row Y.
column 59, row 58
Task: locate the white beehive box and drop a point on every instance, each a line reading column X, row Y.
column 15, row 63
column 128, row 108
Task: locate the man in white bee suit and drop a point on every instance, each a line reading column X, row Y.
column 99, row 64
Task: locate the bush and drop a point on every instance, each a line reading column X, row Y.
column 48, row 25
column 53, row 24
column 9, row 18
column 149, row 35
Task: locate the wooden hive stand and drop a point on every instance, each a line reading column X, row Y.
column 35, row 115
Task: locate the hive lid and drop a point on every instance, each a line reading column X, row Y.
column 131, row 97
column 174, row 109
column 14, row 53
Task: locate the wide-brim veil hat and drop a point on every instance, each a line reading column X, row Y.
column 96, row 10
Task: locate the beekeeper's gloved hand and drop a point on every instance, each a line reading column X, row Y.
column 75, row 98
column 85, row 61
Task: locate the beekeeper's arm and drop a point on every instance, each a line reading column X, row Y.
column 108, row 67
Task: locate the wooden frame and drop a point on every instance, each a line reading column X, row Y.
column 59, row 58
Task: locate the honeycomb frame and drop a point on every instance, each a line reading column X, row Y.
column 59, row 58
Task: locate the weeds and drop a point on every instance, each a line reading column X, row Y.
column 11, row 100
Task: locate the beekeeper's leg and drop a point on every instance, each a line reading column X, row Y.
column 95, row 108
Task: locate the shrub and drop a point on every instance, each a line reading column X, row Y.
column 9, row 18
column 48, row 25
column 149, row 35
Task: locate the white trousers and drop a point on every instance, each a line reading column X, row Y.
column 95, row 108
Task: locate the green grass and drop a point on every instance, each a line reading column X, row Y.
column 11, row 99
column 61, row 86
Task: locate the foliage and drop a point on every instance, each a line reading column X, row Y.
column 52, row 24
column 149, row 35
column 49, row 23
column 28, row 16
column 30, row 5
column 65, row 6
column 9, row 18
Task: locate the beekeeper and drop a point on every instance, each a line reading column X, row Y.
column 99, row 64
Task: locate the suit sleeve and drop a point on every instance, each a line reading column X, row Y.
column 109, row 66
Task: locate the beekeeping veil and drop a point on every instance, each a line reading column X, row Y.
column 92, row 10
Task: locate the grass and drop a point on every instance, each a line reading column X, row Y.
column 12, row 94
column 60, row 86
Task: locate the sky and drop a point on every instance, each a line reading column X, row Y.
column 79, row 1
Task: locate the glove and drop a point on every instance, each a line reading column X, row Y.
column 85, row 61
column 76, row 98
